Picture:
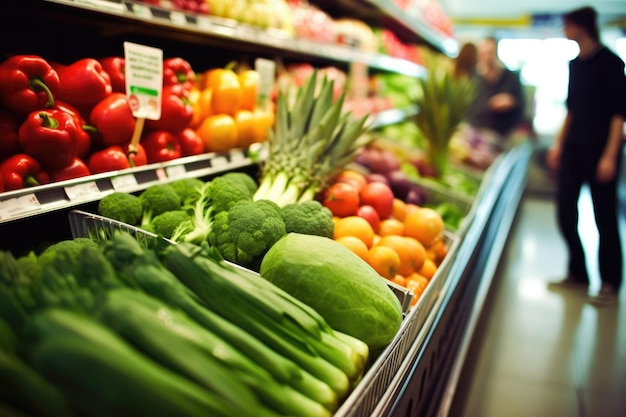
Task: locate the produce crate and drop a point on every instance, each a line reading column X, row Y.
column 375, row 383
column 374, row 388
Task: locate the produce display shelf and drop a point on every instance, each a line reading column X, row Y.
column 227, row 30
column 376, row 380
column 410, row 26
column 27, row 202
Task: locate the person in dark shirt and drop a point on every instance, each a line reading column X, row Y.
column 499, row 102
column 588, row 151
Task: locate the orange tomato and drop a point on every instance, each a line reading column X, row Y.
column 401, row 246
column 417, row 284
column 428, row 269
column 356, row 245
column 249, row 82
column 245, row 128
column 400, row 280
column 417, row 253
column 391, row 226
column 263, row 122
column 219, row 133
column 354, row 226
column 341, row 199
column 385, row 261
column 226, row 92
column 399, row 209
column 425, row 225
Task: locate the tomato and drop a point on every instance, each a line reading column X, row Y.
column 379, row 196
column 341, row 199
column 370, row 214
column 354, row 178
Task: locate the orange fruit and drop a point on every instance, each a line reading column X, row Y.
column 404, row 251
column 410, row 207
column 440, row 250
column 400, row 280
column 376, row 240
column 355, row 226
column 417, row 252
column 263, row 121
column 417, row 284
column 399, row 209
column 391, row 226
column 428, row 269
column 385, row 261
column 219, row 133
column 425, row 225
column 356, row 245
column 245, row 128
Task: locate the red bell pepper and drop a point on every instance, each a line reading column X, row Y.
column 115, row 67
column 9, row 143
column 78, row 168
column 21, row 171
column 29, row 83
column 176, row 111
column 1, row 183
column 83, row 130
column 50, row 137
column 161, row 146
column 190, row 142
column 83, row 84
column 113, row 119
column 177, row 71
column 115, row 158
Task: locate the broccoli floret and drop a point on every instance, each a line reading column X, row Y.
column 69, row 250
column 165, row 223
column 225, row 192
column 121, row 206
column 244, row 179
column 157, row 199
column 188, row 189
column 309, row 217
column 246, row 232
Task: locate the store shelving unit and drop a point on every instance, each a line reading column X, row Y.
column 425, row 373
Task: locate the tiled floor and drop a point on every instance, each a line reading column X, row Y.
column 544, row 353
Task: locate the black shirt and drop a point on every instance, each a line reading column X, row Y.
column 479, row 115
column 596, row 93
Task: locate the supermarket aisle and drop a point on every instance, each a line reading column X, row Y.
column 543, row 353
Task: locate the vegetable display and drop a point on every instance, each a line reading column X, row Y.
column 156, row 339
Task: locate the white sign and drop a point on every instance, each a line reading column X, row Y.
column 144, row 80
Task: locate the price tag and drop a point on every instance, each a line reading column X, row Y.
column 104, row 5
column 267, row 77
column 20, row 205
column 237, row 156
column 144, row 80
column 178, row 18
column 204, row 23
column 219, row 161
column 176, row 172
column 124, row 182
column 82, row 191
column 161, row 175
column 141, row 10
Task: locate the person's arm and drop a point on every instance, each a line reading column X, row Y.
column 554, row 153
column 607, row 165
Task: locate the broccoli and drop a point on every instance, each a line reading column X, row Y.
column 157, row 199
column 245, row 233
column 244, row 179
column 121, row 206
column 69, row 250
column 165, row 223
column 188, row 189
column 217, row 195
column 309, row 217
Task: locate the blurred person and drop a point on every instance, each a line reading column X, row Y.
column 499, row 102
column 588, row 150
column 465, row 63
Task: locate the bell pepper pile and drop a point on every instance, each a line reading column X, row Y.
column 60, row 121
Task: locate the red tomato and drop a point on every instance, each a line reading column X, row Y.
column 379, row 196
column 370, row 214
column 341, row 199
column 351, row 177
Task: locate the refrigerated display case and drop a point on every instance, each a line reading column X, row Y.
column 417, row 372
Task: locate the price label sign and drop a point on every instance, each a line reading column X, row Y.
column 205, row 23
column 141, row 10
column 82, row 191
column 124, row 182
column 16, row 206
column 178, row 18
column 176, row 172
column 144, row 80
column 219, row 161
column 267, row 77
